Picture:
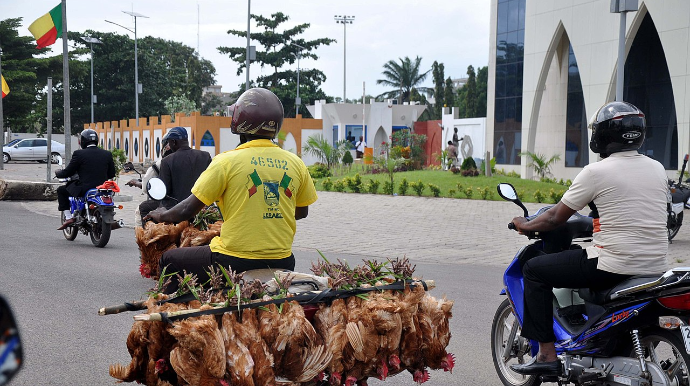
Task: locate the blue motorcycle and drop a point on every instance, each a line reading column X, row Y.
column 636, row 333
column 94, row 214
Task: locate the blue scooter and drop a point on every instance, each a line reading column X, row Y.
column 636, row 333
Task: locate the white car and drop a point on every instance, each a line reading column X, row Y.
column 33, row 149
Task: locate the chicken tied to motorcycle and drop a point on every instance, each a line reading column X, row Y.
column 339, row 325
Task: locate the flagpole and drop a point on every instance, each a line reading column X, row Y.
column 2, row 128
column 65, row 84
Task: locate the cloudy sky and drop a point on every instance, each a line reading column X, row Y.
column 452, row 32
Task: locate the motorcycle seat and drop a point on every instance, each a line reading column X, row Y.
column 604, row 295
column 680, row 196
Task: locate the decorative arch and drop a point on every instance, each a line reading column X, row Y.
column 379, row 138
column 207, row 139
column 290, row 144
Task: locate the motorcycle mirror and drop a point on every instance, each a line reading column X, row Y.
column 156, row 188
column 11, row 354
column 508, row 193
column 128, row 166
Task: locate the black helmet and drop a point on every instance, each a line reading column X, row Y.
column 616, row 127
column 88, row 137
column 257, row 112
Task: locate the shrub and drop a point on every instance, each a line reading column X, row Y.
column 451, row 193
column 339, row 186
column 418, row 187
column 470, row 173
column 388, row 187
column 354, row 183
column 459, row 187
column 539, row 196
column 455, row 169
column 468, row 163
column 468, row 192
column 373, row 186
column 119, row 159
column 327, row 184
column 347, row 158
column 491, row 192
column 435, row 190
column 402, row 188
column 319, row 170
column 556, row 195
column 484, row 192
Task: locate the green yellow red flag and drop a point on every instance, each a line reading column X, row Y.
column 5, row 87
column 47, row 28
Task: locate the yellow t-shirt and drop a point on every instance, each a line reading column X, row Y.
column 257, row 186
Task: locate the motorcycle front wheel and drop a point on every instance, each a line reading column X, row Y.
column 508, row 347
column 672, row 232
column 70, row 233
column 100, row 230
column 666, row 348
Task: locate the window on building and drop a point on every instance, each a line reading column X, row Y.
column 576, row 140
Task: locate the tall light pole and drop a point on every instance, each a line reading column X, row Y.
column 344, row 20
column 137, row 88
column 249, row 17
column 622, row 7
column 91, row 42
column 298, row 101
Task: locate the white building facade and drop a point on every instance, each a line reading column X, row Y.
column 552, row 64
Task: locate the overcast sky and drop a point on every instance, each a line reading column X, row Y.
column 452, row 32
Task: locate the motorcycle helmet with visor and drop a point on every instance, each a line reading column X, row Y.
column 616, row 127
column 88, row 137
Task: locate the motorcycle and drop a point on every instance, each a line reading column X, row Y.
column 636, row 333
column 94, row 213
column 11, row 353
column 680, row 196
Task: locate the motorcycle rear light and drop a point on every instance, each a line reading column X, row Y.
column 676, row 302
column 107, row 199
column 670, row 322
column 92, row 206
column 120, row 207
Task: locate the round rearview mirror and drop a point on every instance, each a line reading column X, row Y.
column 128, row 166
column 156, row 188
column 507, row 191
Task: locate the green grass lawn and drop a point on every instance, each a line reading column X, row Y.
column 448, row 184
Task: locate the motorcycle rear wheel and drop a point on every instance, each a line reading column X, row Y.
column 672, row 232
column 100, row 231
column 666, row 348
column 70, row 232
column 504, row 322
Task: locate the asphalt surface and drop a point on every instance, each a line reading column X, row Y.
column 56, row 286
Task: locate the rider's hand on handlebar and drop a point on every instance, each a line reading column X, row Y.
column 134, row 182
column 517, row 222
column 155, row 215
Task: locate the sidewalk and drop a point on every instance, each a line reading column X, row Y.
column 439, row 230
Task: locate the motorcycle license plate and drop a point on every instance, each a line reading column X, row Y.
column 685, row 331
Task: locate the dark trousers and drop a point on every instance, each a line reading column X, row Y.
column 63, row 198
column 196, row 260
column 567, row 269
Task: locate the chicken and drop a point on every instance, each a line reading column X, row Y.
column 136, row 345
column 329, row 323
column 248, row 332
column 240, row 362
column 434, row 318
column 153, row 241
column 297, row 349
column 201, row 339
column 363, row 339
column 192, row 237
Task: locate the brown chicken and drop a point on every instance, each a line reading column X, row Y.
column 248, row 332
column 192, row 237
column 434, row 316
column 153, row 241
column 329, row 323
column 198, row 338
column 240, row 362
column 297, row 349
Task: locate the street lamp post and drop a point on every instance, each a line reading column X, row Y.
column 298, row 101
column 344, row 20
column 622, row 7
column 137, row 88
column 91, row 42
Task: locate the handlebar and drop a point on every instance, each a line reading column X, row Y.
column 511, row 226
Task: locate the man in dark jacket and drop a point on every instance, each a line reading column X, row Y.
column 93, row 165
column 180, row 170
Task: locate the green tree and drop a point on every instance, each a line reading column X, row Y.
column 471, row 96
column 324, row 151
column 482, row 85
column 179, row 104
column 404, row 78
column 25, row 74
column 539, row 163
column 211, row 104
column 439, row 88
column 449, row 94
column 279, row 52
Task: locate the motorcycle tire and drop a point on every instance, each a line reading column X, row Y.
column 70, row 232
column 100, row 231
column 504, row 322
column 666, row 348
column 672, row 232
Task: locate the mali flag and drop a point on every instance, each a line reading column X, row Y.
column 47, row 28
column 5, row 87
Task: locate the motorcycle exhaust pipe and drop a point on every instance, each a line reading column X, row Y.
column 121, row 223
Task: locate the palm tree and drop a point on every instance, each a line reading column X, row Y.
column 327, row 154
column 540, row 164
column 404, row 77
